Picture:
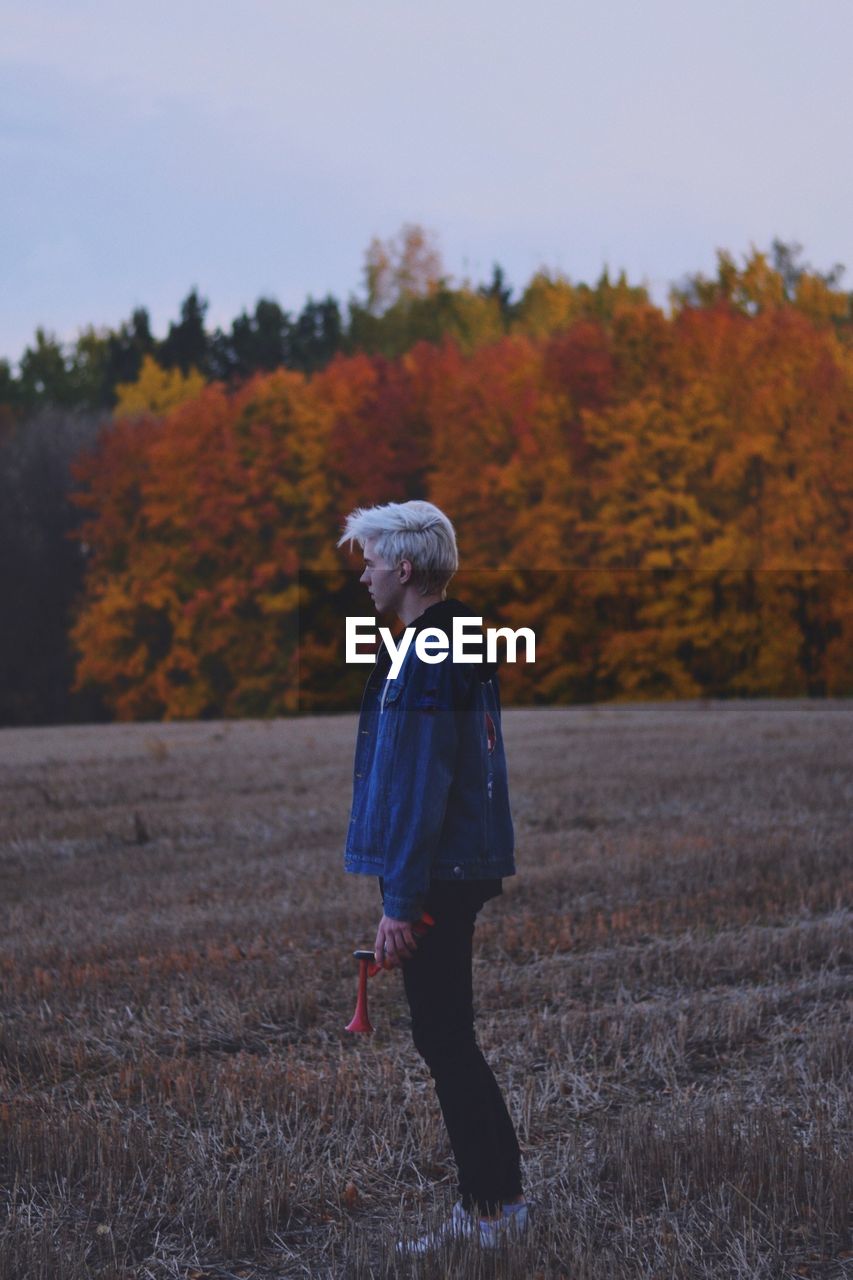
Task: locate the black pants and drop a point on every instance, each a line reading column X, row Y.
column 439, row 990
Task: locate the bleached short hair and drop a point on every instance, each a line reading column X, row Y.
column 415, row 531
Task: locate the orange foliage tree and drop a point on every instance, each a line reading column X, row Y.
column 199, row 525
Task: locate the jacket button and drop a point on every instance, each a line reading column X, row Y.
column 359, row 775
column 457, row 871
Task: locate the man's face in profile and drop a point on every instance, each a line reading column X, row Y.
column 381, row 580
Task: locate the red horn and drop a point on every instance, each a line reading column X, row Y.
column 360, row 1020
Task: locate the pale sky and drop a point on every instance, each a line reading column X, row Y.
column 255, row 148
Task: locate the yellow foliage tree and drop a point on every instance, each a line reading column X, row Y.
column 548, row 305
column 157, row 390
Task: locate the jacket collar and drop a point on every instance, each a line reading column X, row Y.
column 441, row 614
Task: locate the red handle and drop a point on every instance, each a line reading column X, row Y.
column 367, row 968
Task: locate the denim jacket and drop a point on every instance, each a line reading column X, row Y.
column 430, row 789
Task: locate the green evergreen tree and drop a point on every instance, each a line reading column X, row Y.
column 187, row 345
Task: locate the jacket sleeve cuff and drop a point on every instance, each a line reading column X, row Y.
column 402, row 908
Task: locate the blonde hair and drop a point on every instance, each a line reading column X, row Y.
column 415, row 531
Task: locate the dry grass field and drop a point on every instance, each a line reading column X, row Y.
column 663, row 992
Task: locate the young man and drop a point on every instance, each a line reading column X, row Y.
column 430, row 816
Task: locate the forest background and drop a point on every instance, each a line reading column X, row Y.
column 664, row 496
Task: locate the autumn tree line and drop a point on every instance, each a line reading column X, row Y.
column 664, row 497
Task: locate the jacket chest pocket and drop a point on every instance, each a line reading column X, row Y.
column 390, row 695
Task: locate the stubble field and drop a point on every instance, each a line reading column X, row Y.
column 663, row 992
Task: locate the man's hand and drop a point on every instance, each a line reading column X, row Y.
column 395, row 942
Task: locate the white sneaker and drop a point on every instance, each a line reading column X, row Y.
column 462, row 1225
